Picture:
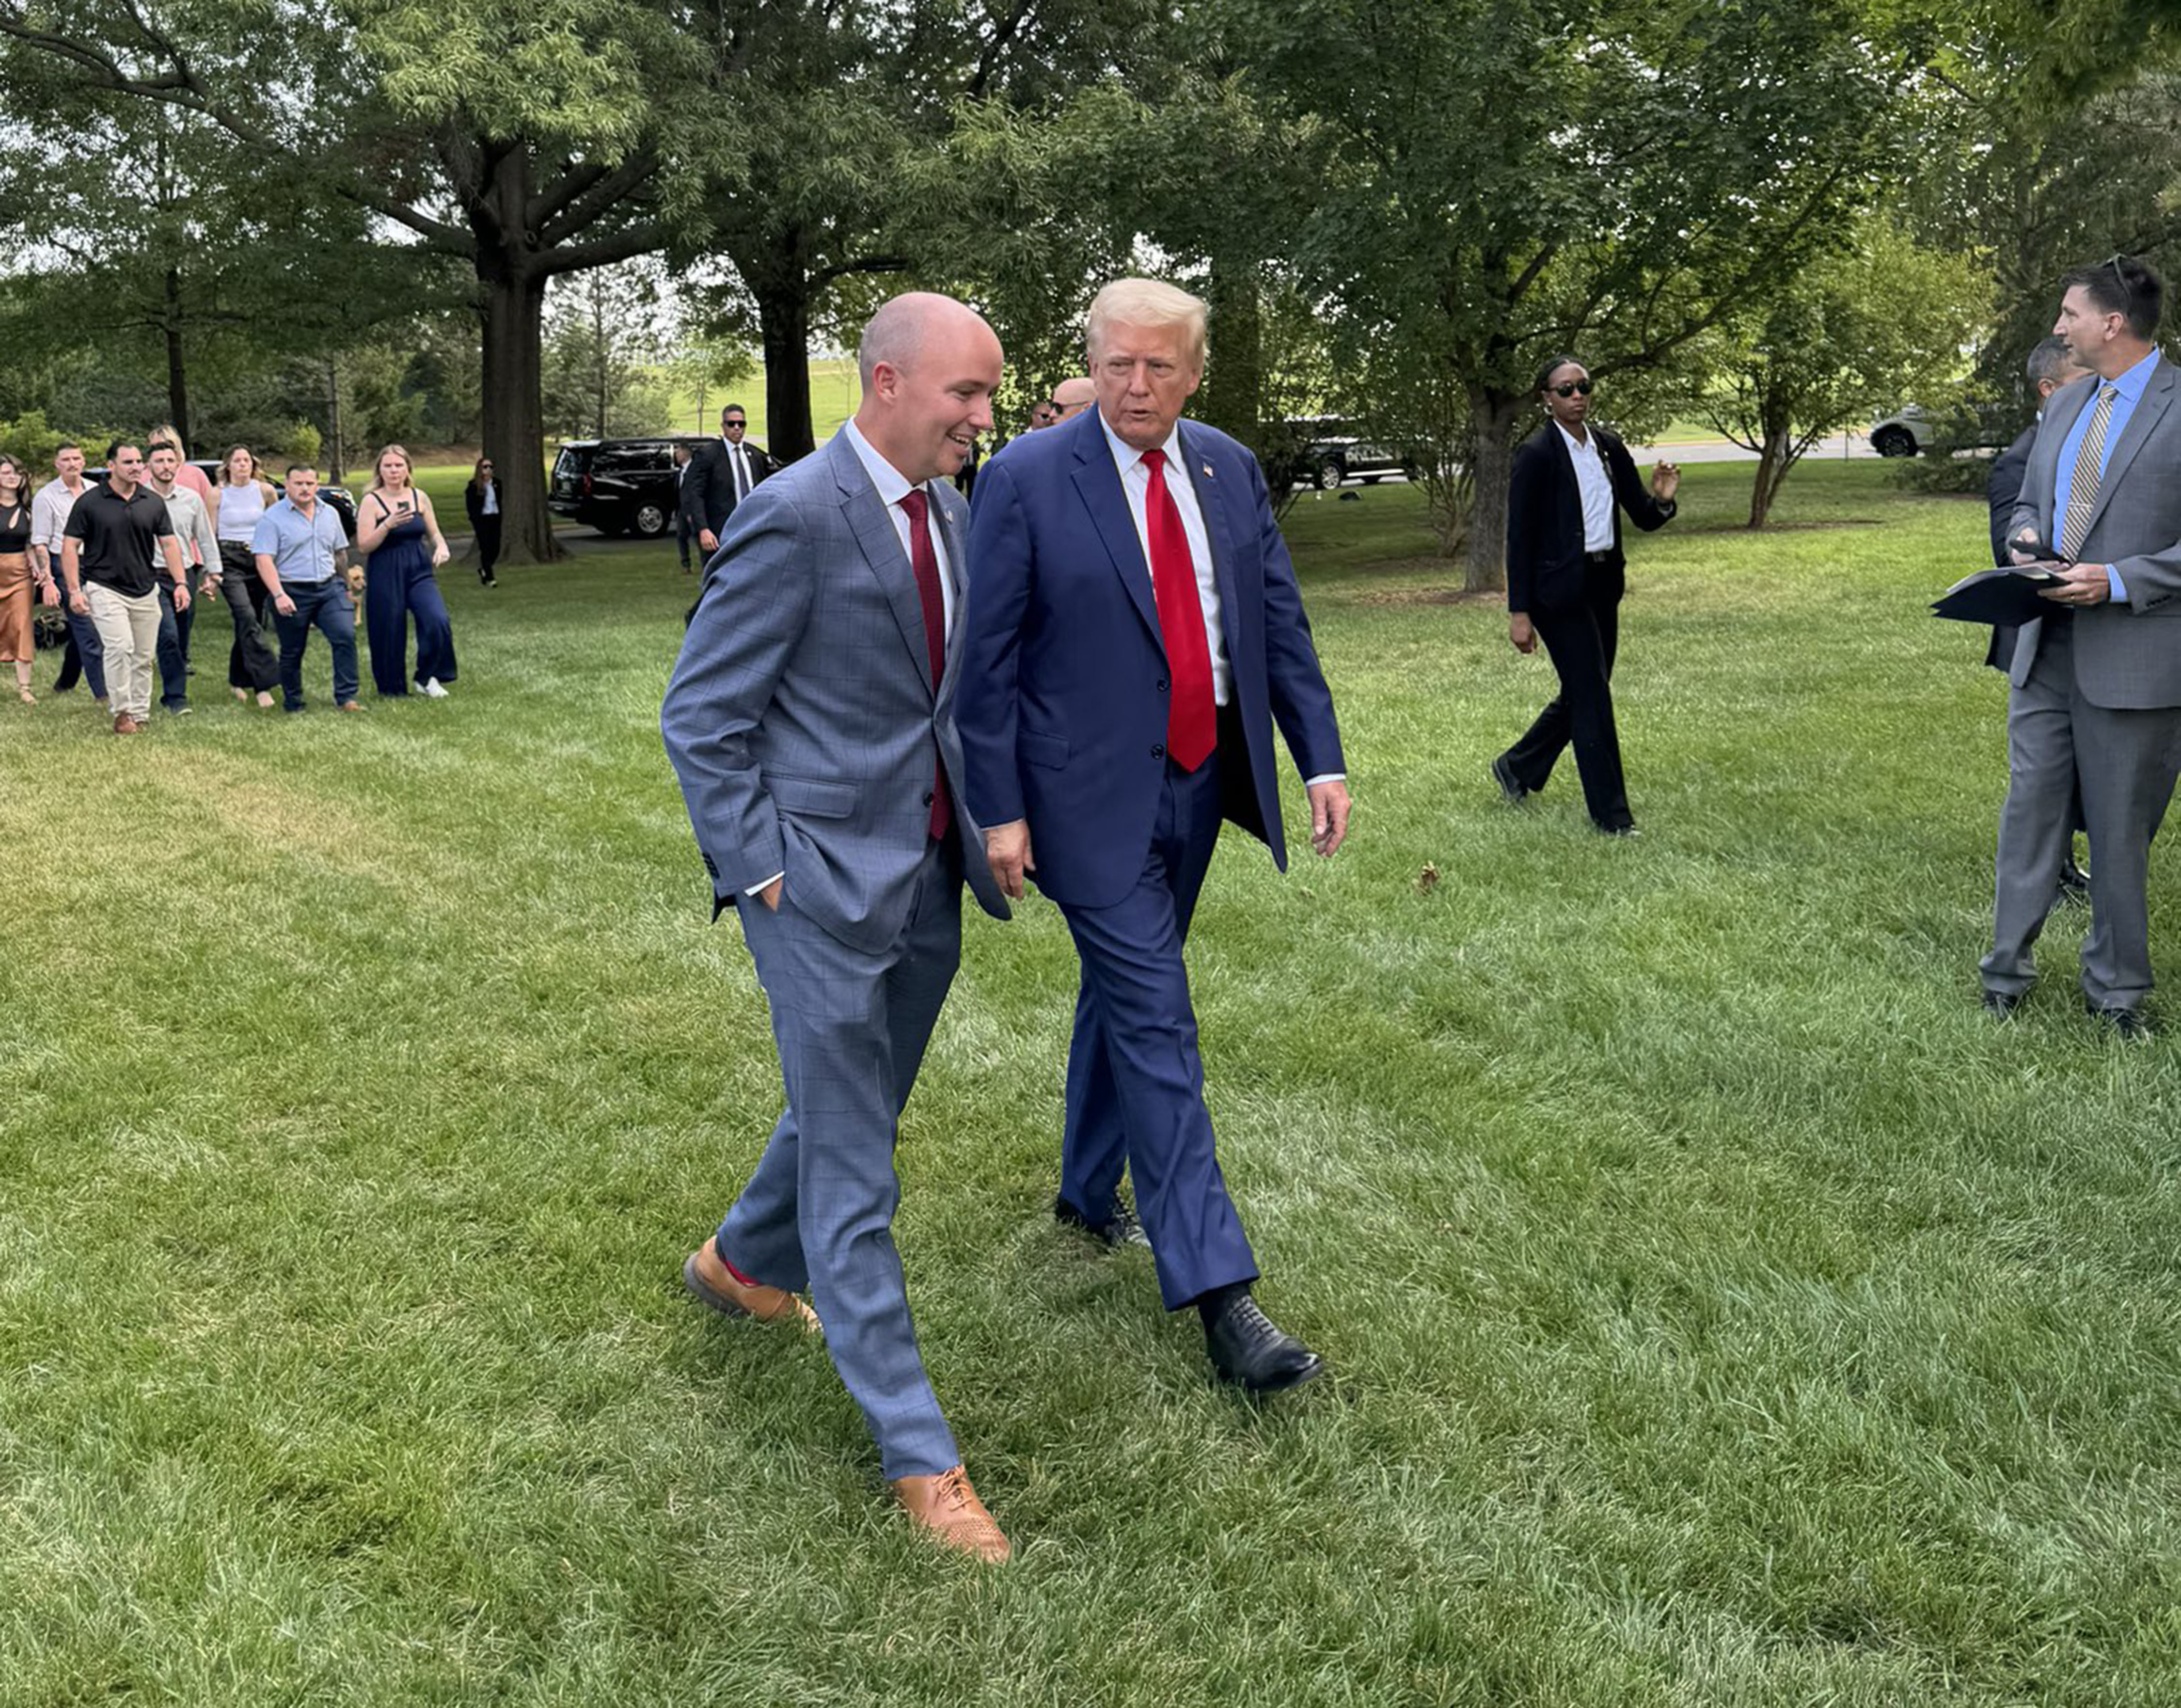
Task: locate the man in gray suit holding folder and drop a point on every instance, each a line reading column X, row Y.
column 2099, row 678
column 811, row 721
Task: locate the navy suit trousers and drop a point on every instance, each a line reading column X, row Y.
column 818, row 1211
column 1135, row 1081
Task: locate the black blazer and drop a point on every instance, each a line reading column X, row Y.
column 1546, row 562
column 473, row 502
column 708, row 488
column 2002, row 490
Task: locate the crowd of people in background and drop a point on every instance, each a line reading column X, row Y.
column 117, row 554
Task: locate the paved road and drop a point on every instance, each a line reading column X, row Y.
column 1840, row 445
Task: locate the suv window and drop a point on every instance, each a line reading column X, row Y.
column 633, row 459
column 572, row 462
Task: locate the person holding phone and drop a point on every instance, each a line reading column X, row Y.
column 1565, row 575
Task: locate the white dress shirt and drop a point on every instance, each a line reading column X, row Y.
column 741, row 471
column 1136, row 485
column 893, row 486
column 491, row 505
column 1597, row 488
column 49, row 514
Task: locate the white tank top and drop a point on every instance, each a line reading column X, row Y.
column 240, row 508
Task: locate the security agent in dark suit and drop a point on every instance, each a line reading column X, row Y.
column 1565, row 579
column 2051, row 368
column 720, row 477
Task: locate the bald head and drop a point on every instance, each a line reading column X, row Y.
column 929, row 366
column 1073, row 396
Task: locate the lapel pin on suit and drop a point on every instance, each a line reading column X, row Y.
column 1207, row 471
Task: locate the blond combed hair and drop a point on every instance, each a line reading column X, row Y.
column 1147, row 302
column 386, row 451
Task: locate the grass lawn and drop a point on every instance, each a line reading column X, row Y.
column 1721, row 1310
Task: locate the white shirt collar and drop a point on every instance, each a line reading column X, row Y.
column 1584, row 446
column 1126, row 455
column 892, row 485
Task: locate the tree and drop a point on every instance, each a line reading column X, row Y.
column 518, row 141
column 605, row 348
column 1504, row 180
column 1878, row 320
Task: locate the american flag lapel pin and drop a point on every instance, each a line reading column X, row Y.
column 1207, row 471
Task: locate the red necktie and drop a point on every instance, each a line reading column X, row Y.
column 924, row 561
column 1192, row 716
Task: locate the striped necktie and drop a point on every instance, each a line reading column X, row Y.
column 2090, row 473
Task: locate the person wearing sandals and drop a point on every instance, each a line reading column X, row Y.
column 17, row 572
column 400, row 538
column 239, row 502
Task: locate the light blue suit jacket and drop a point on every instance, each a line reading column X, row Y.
column 802, row 718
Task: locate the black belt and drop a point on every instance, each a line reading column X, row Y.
column 1599, row 557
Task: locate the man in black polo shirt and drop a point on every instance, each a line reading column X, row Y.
column 114, row 534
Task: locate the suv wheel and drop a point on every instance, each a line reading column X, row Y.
column 1330, row 473
column 650, row 521
column 1893, row 441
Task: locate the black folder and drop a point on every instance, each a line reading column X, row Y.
column 1999, row 595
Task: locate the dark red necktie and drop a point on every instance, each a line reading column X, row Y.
column 924, row 561
column 1192, row 716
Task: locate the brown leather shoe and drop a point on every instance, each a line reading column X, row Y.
column 948, row 1507
column 125, row 725
column 705, row 1276
column 351, row 705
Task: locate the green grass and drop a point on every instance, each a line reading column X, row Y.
column 1721, row 1311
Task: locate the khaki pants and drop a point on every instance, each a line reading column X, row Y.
column 129, row 630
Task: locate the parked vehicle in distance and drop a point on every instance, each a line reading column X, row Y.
column 1912, row 429
column 1329, row 451
column 340, row 498
column 619, row 485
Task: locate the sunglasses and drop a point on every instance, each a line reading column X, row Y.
column 1570, row 389
column 738, row 423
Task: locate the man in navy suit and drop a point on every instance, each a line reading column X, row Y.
column 1134, row 632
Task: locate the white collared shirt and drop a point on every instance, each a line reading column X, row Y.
column 50, row 508
column 1597, row 488
column 893, row 486
column 740, row 472
column 1136, row 487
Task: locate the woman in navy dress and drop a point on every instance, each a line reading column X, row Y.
column 400, row 538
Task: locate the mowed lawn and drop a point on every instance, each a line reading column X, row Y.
column 1721, row 1310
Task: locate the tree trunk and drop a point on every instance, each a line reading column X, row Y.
column 783, row 319
column 1234, row 398
column 514, row 415
column 1775, row 455
column 178, row 385
column 1492, row 455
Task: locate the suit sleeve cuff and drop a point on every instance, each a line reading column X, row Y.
column 757, row 889
column 1325, row 776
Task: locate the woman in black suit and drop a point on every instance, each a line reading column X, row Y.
column 481, row 498
column 1571, row 481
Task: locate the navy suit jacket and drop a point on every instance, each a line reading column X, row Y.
column 1063, row 708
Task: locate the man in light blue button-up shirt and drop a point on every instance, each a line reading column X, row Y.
column 2098, row 681
column 298, row 545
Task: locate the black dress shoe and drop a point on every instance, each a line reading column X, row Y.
column 2001, row 1004
column 1623, row 830
column 1511, row 788
column 2074, row 885
column 1118, row 1229
column 1247, row 1348
column 2132, row 1025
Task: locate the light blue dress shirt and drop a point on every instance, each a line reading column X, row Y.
column 2130, row 386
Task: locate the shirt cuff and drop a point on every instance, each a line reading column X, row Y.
column 758, row 889
column 1325, row 776
column 2114, row 582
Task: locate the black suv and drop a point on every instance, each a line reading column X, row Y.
column 1328, row 450
column 619, row 485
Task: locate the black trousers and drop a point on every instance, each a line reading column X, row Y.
column 488, row 544
column 1581, row 639
column 251, row 661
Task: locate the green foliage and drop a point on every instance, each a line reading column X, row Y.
column 1880, row 322
column 32, row 441
column 1777, row 1331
